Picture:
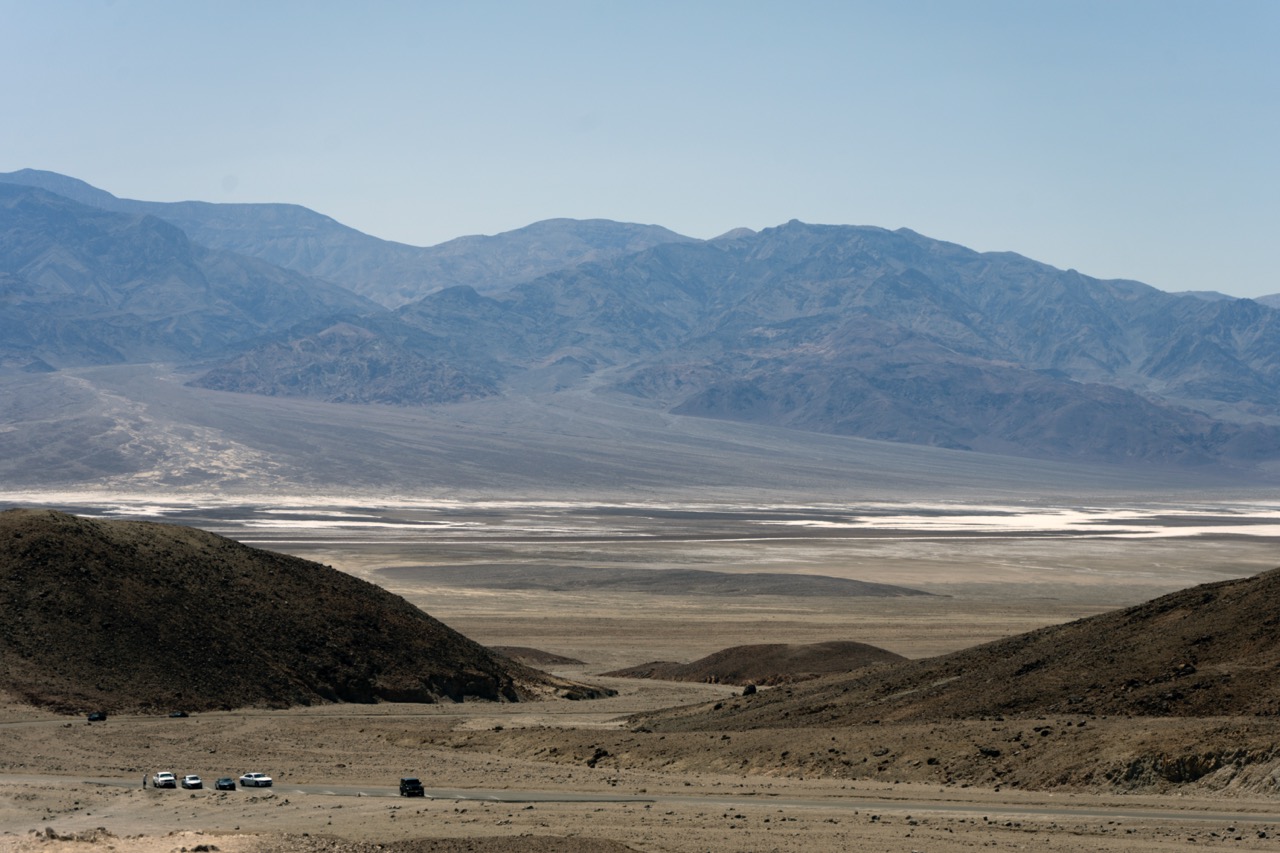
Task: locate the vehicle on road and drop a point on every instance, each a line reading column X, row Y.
column 411, row 787
column 178, row 714
column 192, row 782
column 255, row 780
column 164, row 779
column 98, row 716
column 226, row 783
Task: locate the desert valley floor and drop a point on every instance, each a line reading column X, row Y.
column 575, row 774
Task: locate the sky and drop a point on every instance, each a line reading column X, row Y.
column 1131, row 139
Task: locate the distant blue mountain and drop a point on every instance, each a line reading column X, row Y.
column 846, row 330
column 386, row 272
column 80, row 285
column 880, row 334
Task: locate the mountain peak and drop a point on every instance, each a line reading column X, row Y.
column 72, row 188
column 734, row 234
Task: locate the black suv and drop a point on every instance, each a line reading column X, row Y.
column 411, row 787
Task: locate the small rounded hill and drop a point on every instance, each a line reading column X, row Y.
column 140, row 616
column 767, row 664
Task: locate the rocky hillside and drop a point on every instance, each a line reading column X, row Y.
column 767, row 663
column 136, row 616
column 366, row 362
column 1208, row 651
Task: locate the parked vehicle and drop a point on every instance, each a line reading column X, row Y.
column 192, row 782
column 255, row 780
column 98, row 716
column 226, row 783
column 411, row 787
column 164, row 779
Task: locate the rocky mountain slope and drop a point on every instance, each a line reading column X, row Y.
column 366, row 360
column 1208, row 651
column 82, row 286
column 767, row 663
column 389, row 273
column 136, row 616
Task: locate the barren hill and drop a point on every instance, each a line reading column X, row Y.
column 1212, row 650
column 126, row 616
column 767, row 663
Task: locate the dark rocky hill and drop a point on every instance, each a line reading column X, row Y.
column 79, row 285
column 1209, row 651
column 389, row 273
column 136, row 616
column 767, row 663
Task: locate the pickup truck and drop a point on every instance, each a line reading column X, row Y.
column 164, row 779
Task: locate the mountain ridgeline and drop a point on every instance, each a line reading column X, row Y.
column 852, row 331
column 843, row 330
column 388, row 273
column 81, row 286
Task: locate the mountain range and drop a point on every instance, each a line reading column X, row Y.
column 386, row 272
column 83, row 286
column 840, row 330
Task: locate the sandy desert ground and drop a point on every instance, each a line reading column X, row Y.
column 512, row 777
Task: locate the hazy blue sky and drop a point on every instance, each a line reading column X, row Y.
column 1135, row 139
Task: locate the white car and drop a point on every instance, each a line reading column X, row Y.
column 164, row 779
column 192, row 782
column 255, row 780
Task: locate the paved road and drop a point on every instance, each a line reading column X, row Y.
column 493, row 796
column 1072, row 811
